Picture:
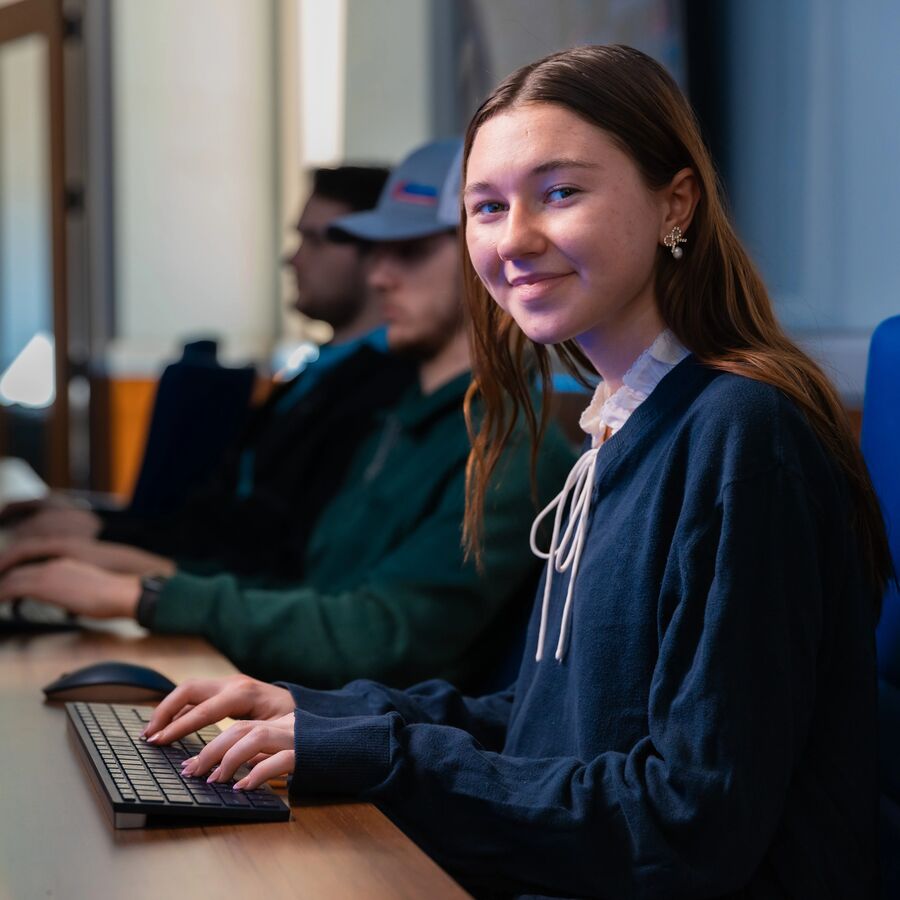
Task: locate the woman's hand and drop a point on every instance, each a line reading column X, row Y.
column 106, row 555
column 267, row 746
column 201, row 702
column 81, row 588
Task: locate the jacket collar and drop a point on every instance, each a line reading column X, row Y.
column 416, row 410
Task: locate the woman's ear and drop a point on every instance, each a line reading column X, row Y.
column 680, row 198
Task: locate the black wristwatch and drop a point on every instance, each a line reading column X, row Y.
column 151, row 586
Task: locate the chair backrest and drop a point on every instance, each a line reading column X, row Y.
column 199, row 409
column 881, row 447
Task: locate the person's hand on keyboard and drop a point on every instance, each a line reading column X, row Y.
column 79, row 587
column 58, row 522
column 201, row 702
column 266, row 746
column 105, row 554
column 16, row 511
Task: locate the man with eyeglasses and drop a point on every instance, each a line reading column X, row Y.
column 254, row 514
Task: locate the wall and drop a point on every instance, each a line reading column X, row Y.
column 519, row 31
column 815, row 139
column 195, row 170
column 388, row 79
column 814, row 144
column 26, row 300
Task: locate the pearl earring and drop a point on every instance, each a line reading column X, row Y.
column 673, row 239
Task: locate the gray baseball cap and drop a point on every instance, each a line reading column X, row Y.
column 421, row 198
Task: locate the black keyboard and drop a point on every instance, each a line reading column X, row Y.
column 140, row 780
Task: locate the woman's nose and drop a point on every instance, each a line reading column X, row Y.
column 522, row 235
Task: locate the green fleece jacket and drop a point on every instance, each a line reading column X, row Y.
column 386, row 593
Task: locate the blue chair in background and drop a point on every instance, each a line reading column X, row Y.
column 200, row 407
column 881, row 448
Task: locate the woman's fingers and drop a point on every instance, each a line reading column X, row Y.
column 236, row 697
column 211, row 755
column 262, row 738
column 186, row 708
column 189, row 694
column 238, row 745
column 274, row 766
column 206, row 713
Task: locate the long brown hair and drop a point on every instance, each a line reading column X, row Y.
column 712, row 299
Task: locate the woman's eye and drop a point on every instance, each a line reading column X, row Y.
column 487, row 207
column 561, row 193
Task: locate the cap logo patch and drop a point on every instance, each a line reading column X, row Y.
column 410, row 192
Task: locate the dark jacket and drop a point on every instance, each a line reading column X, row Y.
column 299, row 458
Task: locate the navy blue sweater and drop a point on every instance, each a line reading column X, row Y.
column 711, row 730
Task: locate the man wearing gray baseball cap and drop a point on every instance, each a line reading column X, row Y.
column 420, row 198
column 385, row 590
column 413, row 263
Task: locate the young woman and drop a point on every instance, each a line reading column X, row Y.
column 694, row 716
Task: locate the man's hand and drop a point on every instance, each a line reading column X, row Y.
column 106, row 555
column 79, row 587
column 267, row 746
column 52, row 522
column 201, row 702
column 16, row 510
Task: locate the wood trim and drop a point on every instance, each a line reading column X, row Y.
column 26, row 17
column 18, row 20
column 58, row 462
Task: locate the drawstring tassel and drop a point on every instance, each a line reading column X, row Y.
column 565, row 551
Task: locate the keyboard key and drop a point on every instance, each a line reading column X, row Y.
column 263, row 801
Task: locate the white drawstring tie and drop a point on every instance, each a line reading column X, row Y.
column 605, row 415
column 565, row 551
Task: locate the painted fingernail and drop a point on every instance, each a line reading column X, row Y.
column 154, row 738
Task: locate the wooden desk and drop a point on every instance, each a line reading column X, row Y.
column 57, row 842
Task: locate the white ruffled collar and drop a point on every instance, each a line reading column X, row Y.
column 612, row 411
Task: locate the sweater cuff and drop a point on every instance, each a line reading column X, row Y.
column 350, row 700
column 340, row 756
column 185, row 605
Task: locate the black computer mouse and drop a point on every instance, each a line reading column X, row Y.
column 110, row 682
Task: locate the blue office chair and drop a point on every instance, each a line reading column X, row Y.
column 199, row 409
column 881, row 448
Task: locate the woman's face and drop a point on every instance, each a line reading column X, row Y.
column 563, row 231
